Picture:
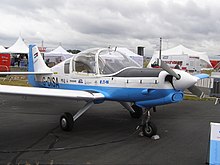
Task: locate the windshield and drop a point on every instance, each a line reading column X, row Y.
column 108, row 61
column 114, row 61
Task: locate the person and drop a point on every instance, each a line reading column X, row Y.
column 155, row 65
column 47, row 61
column 25, row 60
column 13, row 61
column 177, row 66
column 19, row 60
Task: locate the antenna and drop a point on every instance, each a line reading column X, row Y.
column 160, row 48
column 159, row 61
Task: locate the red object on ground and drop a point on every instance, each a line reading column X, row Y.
column 5, row 62
column 215, row 64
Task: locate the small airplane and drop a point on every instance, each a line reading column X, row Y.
column 97, row 75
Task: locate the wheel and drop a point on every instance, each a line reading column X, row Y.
column 66, row 122
column 138, row 112
column 149, row 131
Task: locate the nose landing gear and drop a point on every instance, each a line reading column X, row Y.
column 147, row 127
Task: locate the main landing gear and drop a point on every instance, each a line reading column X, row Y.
column 138, row 112
column 135, row 111
column 67, row 119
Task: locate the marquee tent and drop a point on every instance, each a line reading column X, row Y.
column 181, row 50
column 2, row 49
column 18, row 47
column 57, row 55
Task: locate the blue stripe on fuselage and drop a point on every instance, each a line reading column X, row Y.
column 119, row 93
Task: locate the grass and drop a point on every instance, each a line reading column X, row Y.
column 145, row 63
column 15, row 83
column 195, row 98
column 209, row 72
column 14, row 80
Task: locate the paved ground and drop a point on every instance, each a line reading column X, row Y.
column 32, row 123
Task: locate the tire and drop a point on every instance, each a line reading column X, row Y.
column 150, row 131
column 66, row 122
column 138, row 112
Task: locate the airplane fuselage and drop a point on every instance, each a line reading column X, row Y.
column 144, row 91
column 112, row 76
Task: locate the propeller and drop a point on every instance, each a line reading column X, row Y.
column 193, row 89
column 196, row 91
column 165, row 67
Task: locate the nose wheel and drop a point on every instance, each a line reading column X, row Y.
column 147, row 127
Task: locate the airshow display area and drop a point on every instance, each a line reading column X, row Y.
column 19, row 51
column 109, row 74
column 188, row 59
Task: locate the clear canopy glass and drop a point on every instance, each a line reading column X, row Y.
column 102, row 61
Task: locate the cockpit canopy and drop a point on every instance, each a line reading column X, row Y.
column 101, row 61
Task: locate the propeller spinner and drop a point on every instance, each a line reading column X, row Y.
column 182, row 80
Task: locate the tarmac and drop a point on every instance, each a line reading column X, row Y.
column 105, row 134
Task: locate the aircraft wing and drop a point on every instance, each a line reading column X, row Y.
column 201, row 76
column 25, row 73
column 62, row 93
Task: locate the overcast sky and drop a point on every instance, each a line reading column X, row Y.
column 82, row 24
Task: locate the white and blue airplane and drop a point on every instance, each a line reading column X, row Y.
column 97, row 75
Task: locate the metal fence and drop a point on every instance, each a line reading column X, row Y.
column 215, row 91
column 212, row 84
column 205, row 83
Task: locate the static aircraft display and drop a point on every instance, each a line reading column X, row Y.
column 97, row 75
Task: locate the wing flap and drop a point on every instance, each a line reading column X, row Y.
column 33, row 91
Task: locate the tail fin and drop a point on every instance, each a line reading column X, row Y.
column 35, row 63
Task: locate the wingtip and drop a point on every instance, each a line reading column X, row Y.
column 201, row 76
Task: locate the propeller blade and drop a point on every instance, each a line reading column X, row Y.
column 165, row 67
column 196, row 91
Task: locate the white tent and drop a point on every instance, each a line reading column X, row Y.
column 18, row 47
column 180, row 50
column 2, row 49
column 57, row 55
column 137, row 58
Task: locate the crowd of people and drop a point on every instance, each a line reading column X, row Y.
column 19, row 60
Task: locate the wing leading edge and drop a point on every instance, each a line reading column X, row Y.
column 62, row 93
